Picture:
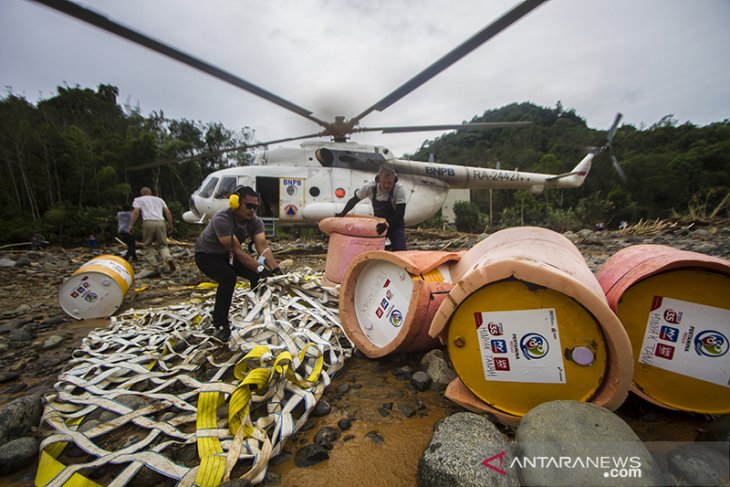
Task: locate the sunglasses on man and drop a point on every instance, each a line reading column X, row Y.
column 251, row 206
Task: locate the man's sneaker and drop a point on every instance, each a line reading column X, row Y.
column 222, row 333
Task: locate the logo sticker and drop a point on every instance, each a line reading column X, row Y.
column 534, row 346
column 499, row 346
column 501, row 363
column 669, row 334
column 711, row 343
column 379, row 312
column 495, row 328
column 671, row 316
column 396, row 318
column 664, row 351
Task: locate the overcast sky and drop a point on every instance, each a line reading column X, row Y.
column 645, row 58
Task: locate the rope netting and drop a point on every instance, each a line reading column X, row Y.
column 155, row 394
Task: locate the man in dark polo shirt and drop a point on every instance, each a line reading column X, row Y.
column 219, row 255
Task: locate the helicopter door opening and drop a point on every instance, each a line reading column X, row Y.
column 268, row 190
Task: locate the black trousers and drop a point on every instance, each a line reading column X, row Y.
column 217, row 268
column 129, row 239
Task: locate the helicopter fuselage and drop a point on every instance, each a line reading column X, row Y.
column 313, row 182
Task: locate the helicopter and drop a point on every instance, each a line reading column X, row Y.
column 314, row 181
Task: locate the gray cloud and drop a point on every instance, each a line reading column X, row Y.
column 646, row 58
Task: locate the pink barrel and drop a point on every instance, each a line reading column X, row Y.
column 388, row 299
column 350, row 236
column 675, row 307
column 526, row 323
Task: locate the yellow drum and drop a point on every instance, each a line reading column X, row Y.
column 527, row 323
column 675, row 306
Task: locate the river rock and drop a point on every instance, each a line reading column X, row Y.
column 17, row 453
column 19, row 416
column 576, row 443
column 322, row 408
column 697, row 464
column 420, row 381
column 328, row 434
column 438, row 368
column 310, row 455
column 460, row 445
column 717, row 430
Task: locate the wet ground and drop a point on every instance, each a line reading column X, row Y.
column 358, row 457
column 363, row 460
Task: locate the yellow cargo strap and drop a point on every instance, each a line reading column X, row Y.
column 152, row 384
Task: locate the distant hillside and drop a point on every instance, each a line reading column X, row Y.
column 670, row 168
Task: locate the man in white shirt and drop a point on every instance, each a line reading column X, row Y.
column 156, row 252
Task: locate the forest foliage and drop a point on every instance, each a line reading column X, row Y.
column 65, row 165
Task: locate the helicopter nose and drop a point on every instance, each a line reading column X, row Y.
column 191, row 205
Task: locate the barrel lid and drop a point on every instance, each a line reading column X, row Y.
column 678, row 322
column 90, row 295
column 511, row 343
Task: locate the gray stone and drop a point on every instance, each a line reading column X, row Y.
column 421, row 380
column 459, row 448
column 328, row 434
column 19, row 416
column 406, row 410
column 322, row 408
column 10, row 325
column 52, row 342
column 8, row 376
column 310, row 455
column 438, row 368
column 344, row 424
column 716, row 430
column 376, row 437
column 24, row 334
column 697, row 464
column 50, row 322
column 403, row 373
column 17, row 454
column 22, row 261
column 576, row 443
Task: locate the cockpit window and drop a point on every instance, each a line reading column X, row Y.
column 207, row 189
column 226, row 188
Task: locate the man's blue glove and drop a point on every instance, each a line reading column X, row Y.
column 381, row 227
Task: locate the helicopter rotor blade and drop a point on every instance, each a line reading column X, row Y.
column 618, row 168
column 457, row 127
column 104, row 23
column 456, row 54
column 202, row 155
column 612, row 130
